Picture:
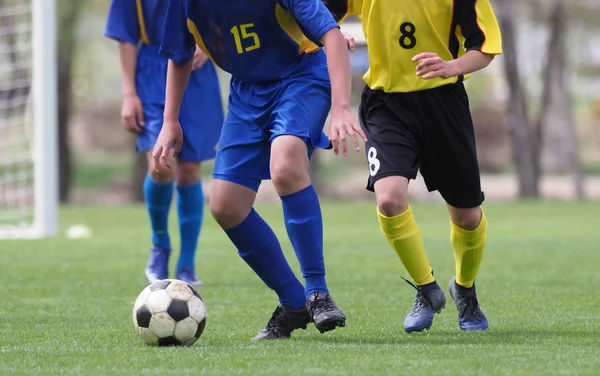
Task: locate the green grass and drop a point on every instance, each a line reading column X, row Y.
column 94, row 175
column 66, row 304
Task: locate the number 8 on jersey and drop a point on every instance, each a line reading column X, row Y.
column 407, row 36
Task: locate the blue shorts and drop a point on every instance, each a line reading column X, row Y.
column 201, row 115
column 297, row 105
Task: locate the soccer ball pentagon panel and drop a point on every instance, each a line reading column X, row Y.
column 169, row 313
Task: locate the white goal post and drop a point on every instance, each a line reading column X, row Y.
column 28, row 119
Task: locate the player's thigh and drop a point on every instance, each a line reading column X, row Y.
column 302, row 108
column 392, row 147
column 242, row 153
column 449, row 162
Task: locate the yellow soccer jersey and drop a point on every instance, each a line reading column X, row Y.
column 397, row 30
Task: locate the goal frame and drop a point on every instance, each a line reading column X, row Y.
column 45, row 125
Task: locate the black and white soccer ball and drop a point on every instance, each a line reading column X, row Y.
column 169, row 313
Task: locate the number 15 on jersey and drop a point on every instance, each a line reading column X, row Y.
column 242, row 33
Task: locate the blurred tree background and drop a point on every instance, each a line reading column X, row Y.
column 536, row 109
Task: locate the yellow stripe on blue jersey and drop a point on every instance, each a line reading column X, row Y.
column 397, row 30
column 140, row 15
column 198, row 39
column 338, row 9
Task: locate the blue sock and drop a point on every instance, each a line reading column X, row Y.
column 158, row 198
column 304, row 224
column 259, row 247
column 190, row 210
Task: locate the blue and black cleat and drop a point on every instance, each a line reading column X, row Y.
column 430, row 300
column 187, row 275
column 158, row 264
column 470, row 314
column 325, row 314
column 283, row 322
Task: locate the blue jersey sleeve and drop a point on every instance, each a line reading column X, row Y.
column 312, row 16
column 122, row 23
column 177, row 42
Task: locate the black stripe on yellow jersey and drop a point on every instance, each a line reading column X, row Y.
column 338, row 8
column 398, row 30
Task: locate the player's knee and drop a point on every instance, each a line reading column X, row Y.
column 288, row 177
column 289, row 164
column 226, row 214
column 467, row 219
column 163, row 176
column 391, row 205
column 188, row 173
column 220, row 211
column 230, row 203
column 391, row 195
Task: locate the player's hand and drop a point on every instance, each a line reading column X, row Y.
column 350, row 40
column 199, row 59
column 430, row 65
column 342, row 124
column 132, row 114
column 170, row 137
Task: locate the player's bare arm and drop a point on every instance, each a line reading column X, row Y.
column 342, row 122
column 132, row 114
column 171, row 135
column 431, row 65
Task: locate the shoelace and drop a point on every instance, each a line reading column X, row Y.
column 276, row 318
column 318, row 306
column 421, row 301
column 469, row 308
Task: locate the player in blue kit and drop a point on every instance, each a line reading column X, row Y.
column 138, row 27
column 279, row 100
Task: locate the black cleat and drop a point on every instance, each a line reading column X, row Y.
column 283, row 322
column 325, row 313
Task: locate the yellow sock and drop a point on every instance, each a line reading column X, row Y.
column 468, row 251
column 404, row 235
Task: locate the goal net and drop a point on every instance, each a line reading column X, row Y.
column 28, row 167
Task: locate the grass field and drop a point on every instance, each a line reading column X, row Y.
column 66, row 304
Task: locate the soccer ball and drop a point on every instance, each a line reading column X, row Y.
column 169, row 313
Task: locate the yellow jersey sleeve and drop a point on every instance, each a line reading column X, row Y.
column 478, row 26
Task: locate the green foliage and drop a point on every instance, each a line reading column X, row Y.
column 66, row 304
column 68, row 12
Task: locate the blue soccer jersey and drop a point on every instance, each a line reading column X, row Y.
column 141, row 23
column 256, row 41
column 135, row 21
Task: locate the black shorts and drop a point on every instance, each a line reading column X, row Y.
column 429, row 130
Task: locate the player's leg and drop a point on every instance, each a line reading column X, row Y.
column 201, row 118
column 452, row 158
column 393, row 150
column 297, row 128
column 158, row 195
column 468, row 236
column 190, row 211
column 241, row 163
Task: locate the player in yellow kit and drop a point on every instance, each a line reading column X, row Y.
column 415, row 114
